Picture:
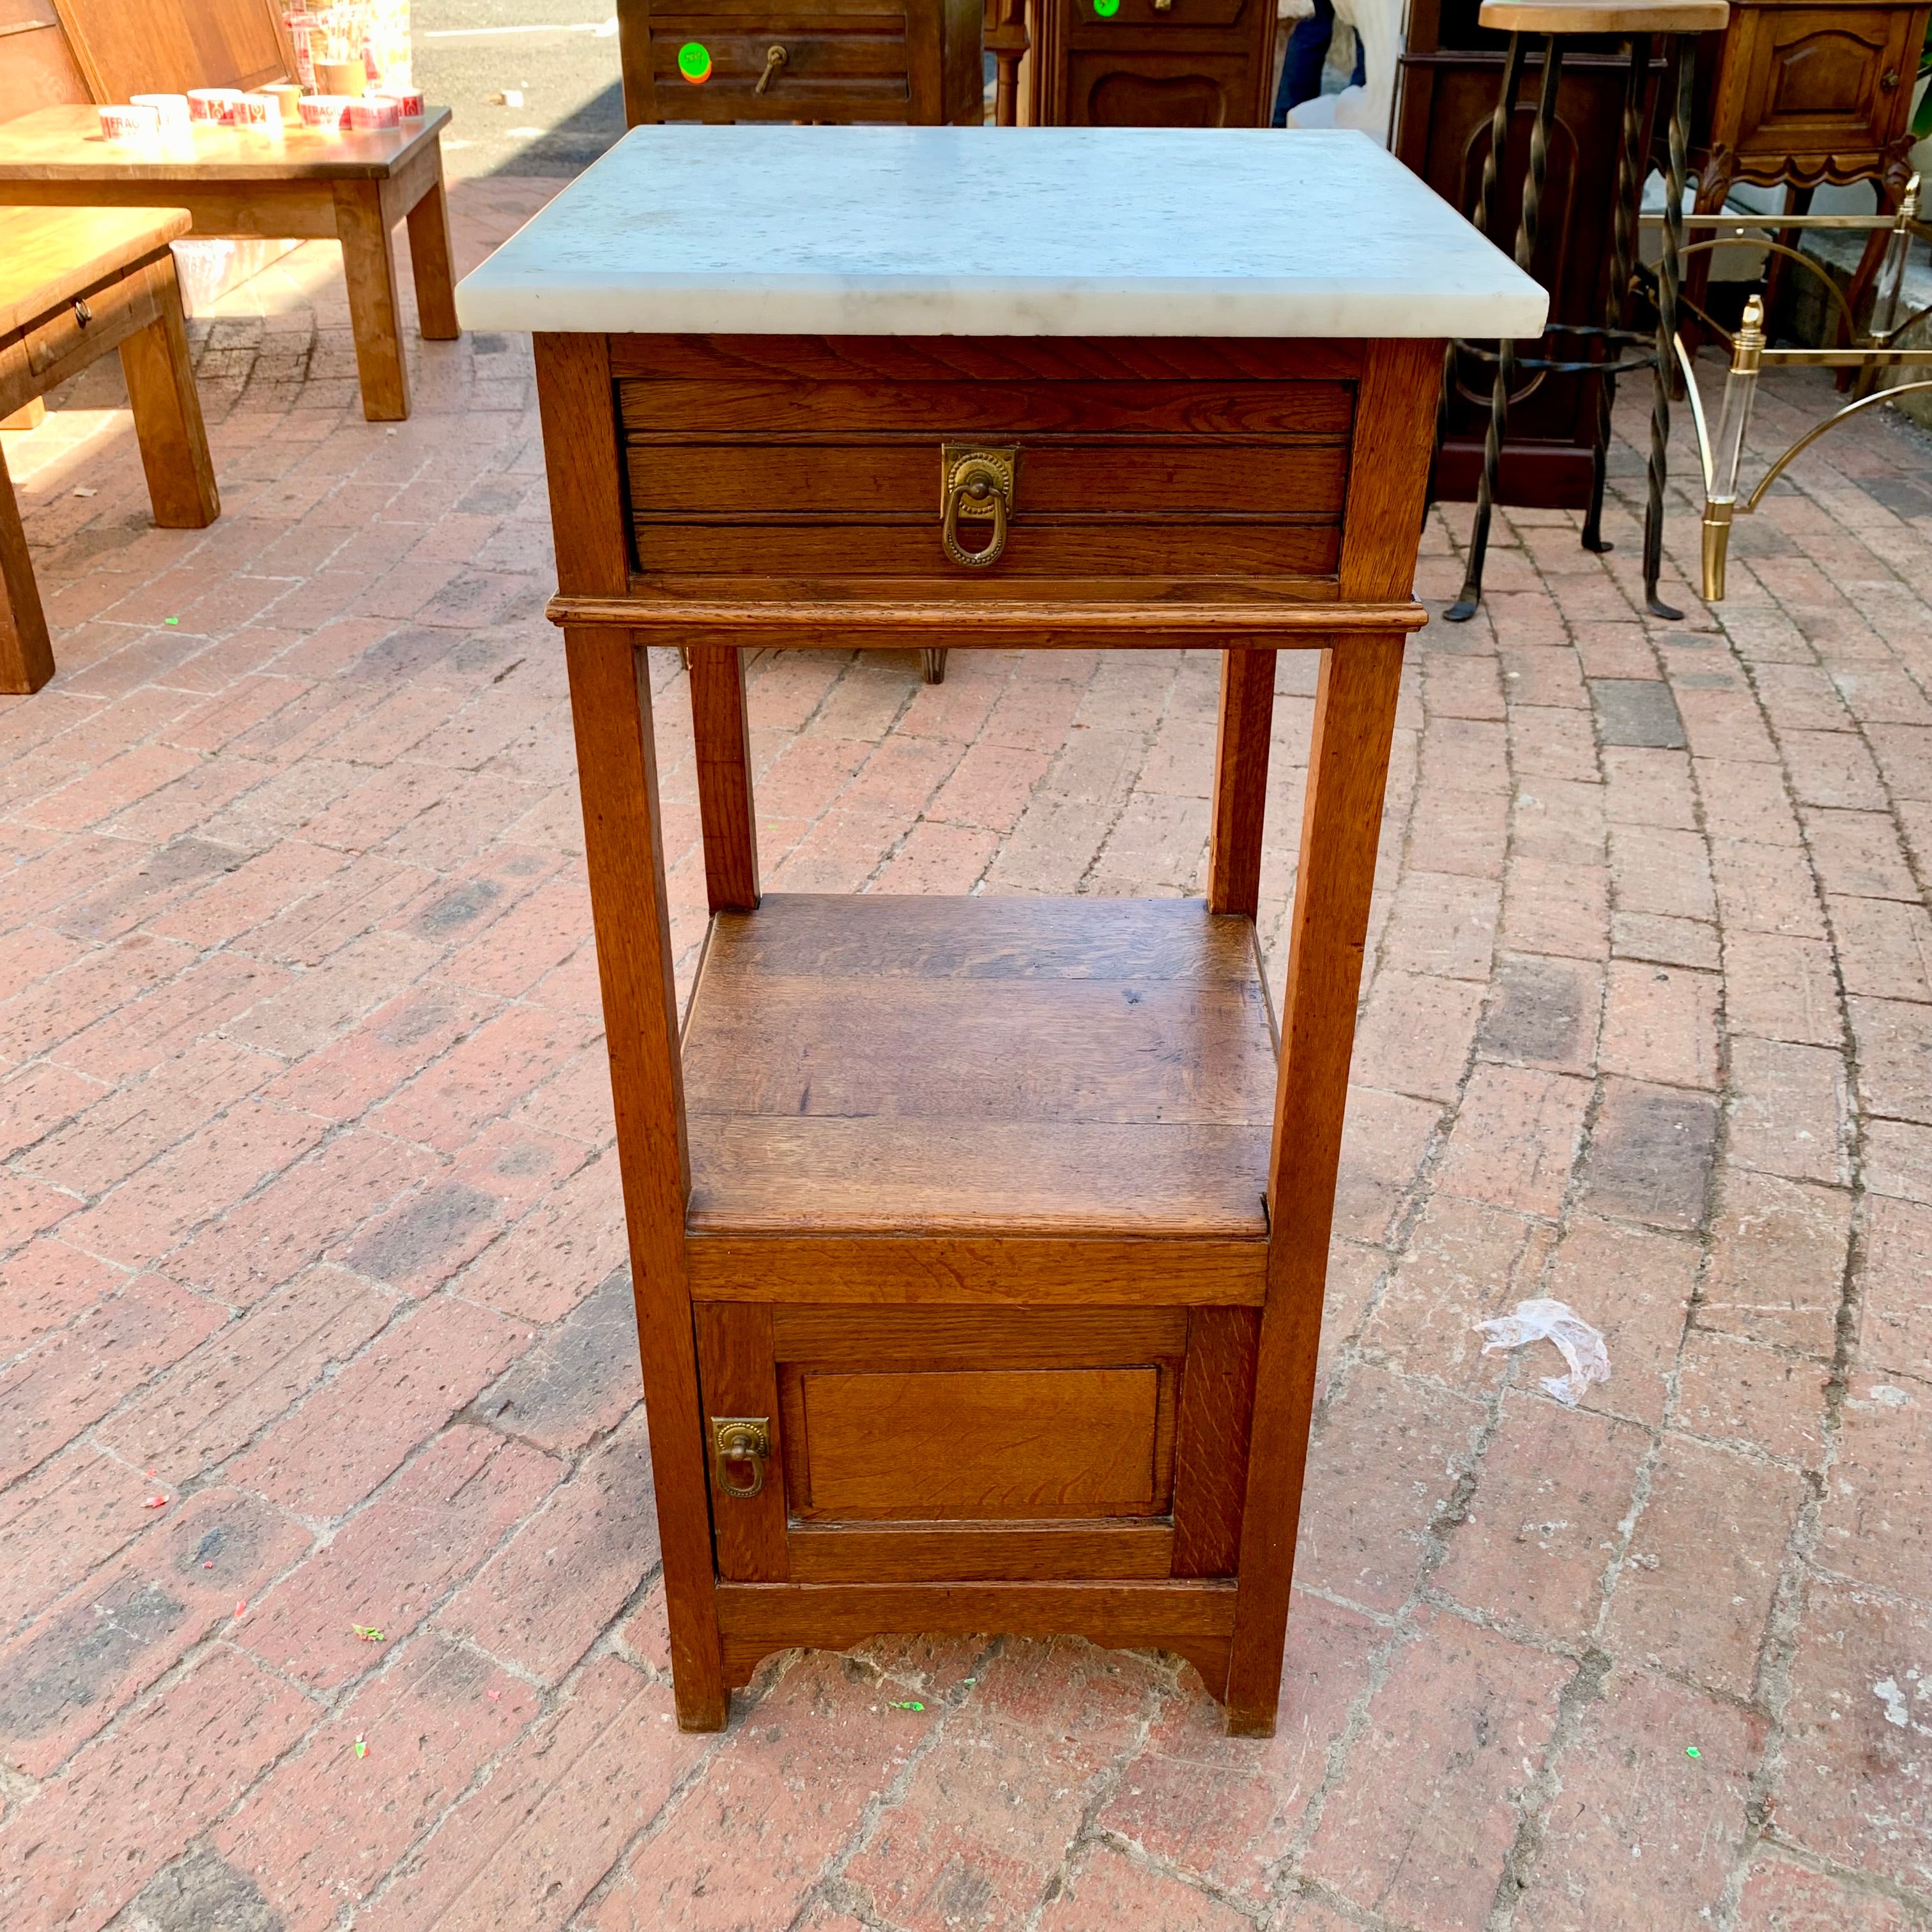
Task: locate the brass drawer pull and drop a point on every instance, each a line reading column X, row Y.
column 774, row 58
column 83, row 314
column 976, row 485
column 741, row 1445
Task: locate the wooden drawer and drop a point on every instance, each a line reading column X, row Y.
column 974, row 1443
column 1148, row 24
column 1240, row 474
column 837, row 64
column 114, row 312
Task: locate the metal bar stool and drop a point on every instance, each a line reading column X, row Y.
column 1677, row 23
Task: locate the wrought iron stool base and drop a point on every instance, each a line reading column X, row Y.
column 1679, row 22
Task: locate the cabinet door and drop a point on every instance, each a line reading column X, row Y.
column 1824, row 82
column 861, row 1444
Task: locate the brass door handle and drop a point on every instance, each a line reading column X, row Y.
column 740, row 1447
column 975, row 486
column 1888, row 79
column 774, row 58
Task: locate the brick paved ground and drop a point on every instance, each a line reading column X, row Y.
column 315, row 1314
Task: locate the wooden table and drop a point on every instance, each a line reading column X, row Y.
column 349, row 188
column 75, row 282
column 978, row 1244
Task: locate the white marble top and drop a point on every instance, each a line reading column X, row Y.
column 769, row 229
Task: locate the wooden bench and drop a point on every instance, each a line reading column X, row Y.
column 75, row 282
column 349, row 186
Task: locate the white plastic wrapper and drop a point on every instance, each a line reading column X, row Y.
column 1557, row 1321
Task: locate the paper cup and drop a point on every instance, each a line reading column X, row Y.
column 172, row 108
column 262, row 110
column 288, row 98
column 372, row 112
column 212, row 104
column 348, row 76
column 326, row 111
column 130, row 123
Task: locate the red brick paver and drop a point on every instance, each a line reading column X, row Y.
column 329, row 1594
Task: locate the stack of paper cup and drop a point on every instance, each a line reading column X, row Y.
column 172, row 108
column 130, row 123
column 373, row 111
column 212, row 103
column 328, row 111
column 261, row 110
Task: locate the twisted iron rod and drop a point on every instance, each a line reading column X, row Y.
column 1629, row 191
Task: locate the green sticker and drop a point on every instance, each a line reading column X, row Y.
column 1106, row 9
column 693, row 60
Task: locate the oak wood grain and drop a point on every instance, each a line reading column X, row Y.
column 834, row 1337
column 1239, row 809
column 939, row 1271
column 1032, row 358
column 966, row 614
column 48, row 257
column 167, row 407
column 737, row 1376
column 721, row 728
column 966, row 1553
column 1210, row 1456
column 979, row 1443
column 26, row 651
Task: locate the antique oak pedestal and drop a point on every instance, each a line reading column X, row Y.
column 979, row 1244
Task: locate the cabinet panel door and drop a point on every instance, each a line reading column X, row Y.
column 1826, row 80
column 931, row 1444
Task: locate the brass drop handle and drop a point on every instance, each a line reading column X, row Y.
column 774, row 58
column 741, row 1445
column 83, row 314
column 975, row 486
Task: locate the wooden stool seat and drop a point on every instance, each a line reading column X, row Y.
column 1605, row 17
column 75, row 283
column 301, row 184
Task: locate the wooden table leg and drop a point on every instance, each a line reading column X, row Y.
column 1341, row 823
column 26, row 655
column 369, row 267
column 431, row 263
column 1241, row 781
column 30, row 414
column 725, row 809
column 617, row 764
column 167, row 419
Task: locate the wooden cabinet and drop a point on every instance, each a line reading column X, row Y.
column 979, row 1243
column 1805, row 93
column 1152, row 63
column 801, row 60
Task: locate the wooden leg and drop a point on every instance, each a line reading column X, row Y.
column 369, row 267
column 1241, row 781
column 617, row 758
column 30, row 414
column 1341, row 823
column 26, row 653
column 167, row 419
column 719, row 723
column 429, row 263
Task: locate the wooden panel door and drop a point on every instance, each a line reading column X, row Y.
column 1825, row 78
column 970, row 1445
